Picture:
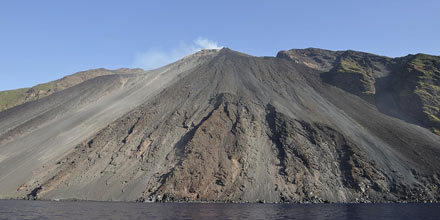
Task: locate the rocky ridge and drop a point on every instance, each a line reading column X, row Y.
column 12, row 98
column 404, row 87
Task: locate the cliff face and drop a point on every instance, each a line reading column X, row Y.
column 225, row 126
column 405, row 87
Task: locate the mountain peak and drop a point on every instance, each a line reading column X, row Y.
column 220, row 125
column 230, row 52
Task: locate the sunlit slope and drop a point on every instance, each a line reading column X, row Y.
column 41, row 131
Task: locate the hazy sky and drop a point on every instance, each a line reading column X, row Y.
column 41, row 41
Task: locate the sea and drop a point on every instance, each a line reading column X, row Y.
column 23, row 209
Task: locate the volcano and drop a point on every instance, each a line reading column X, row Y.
column 308, row 125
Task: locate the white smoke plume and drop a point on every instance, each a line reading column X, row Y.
column 154, row 59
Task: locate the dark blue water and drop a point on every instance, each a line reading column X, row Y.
column 115, row 210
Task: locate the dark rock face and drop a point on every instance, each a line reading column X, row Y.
column 404, row 87
column 416, row 84
column 237, row 128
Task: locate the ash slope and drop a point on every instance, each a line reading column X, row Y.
column 241, row 128
column 12, row 98
column 43, row 131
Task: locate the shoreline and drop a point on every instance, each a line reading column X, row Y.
column 219, row 202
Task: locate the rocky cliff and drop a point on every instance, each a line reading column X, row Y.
column 404, row 87
column 306, row 126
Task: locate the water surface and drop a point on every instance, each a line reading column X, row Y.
column 20, row 209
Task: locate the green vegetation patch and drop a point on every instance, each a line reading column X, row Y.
column 46, row 87
column 436, row 131
column 427, row 68
column 350, row 66
column 11, row 98
column 360, row 82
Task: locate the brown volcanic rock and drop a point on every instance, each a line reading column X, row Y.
column 232, row 127
column 323, row 60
